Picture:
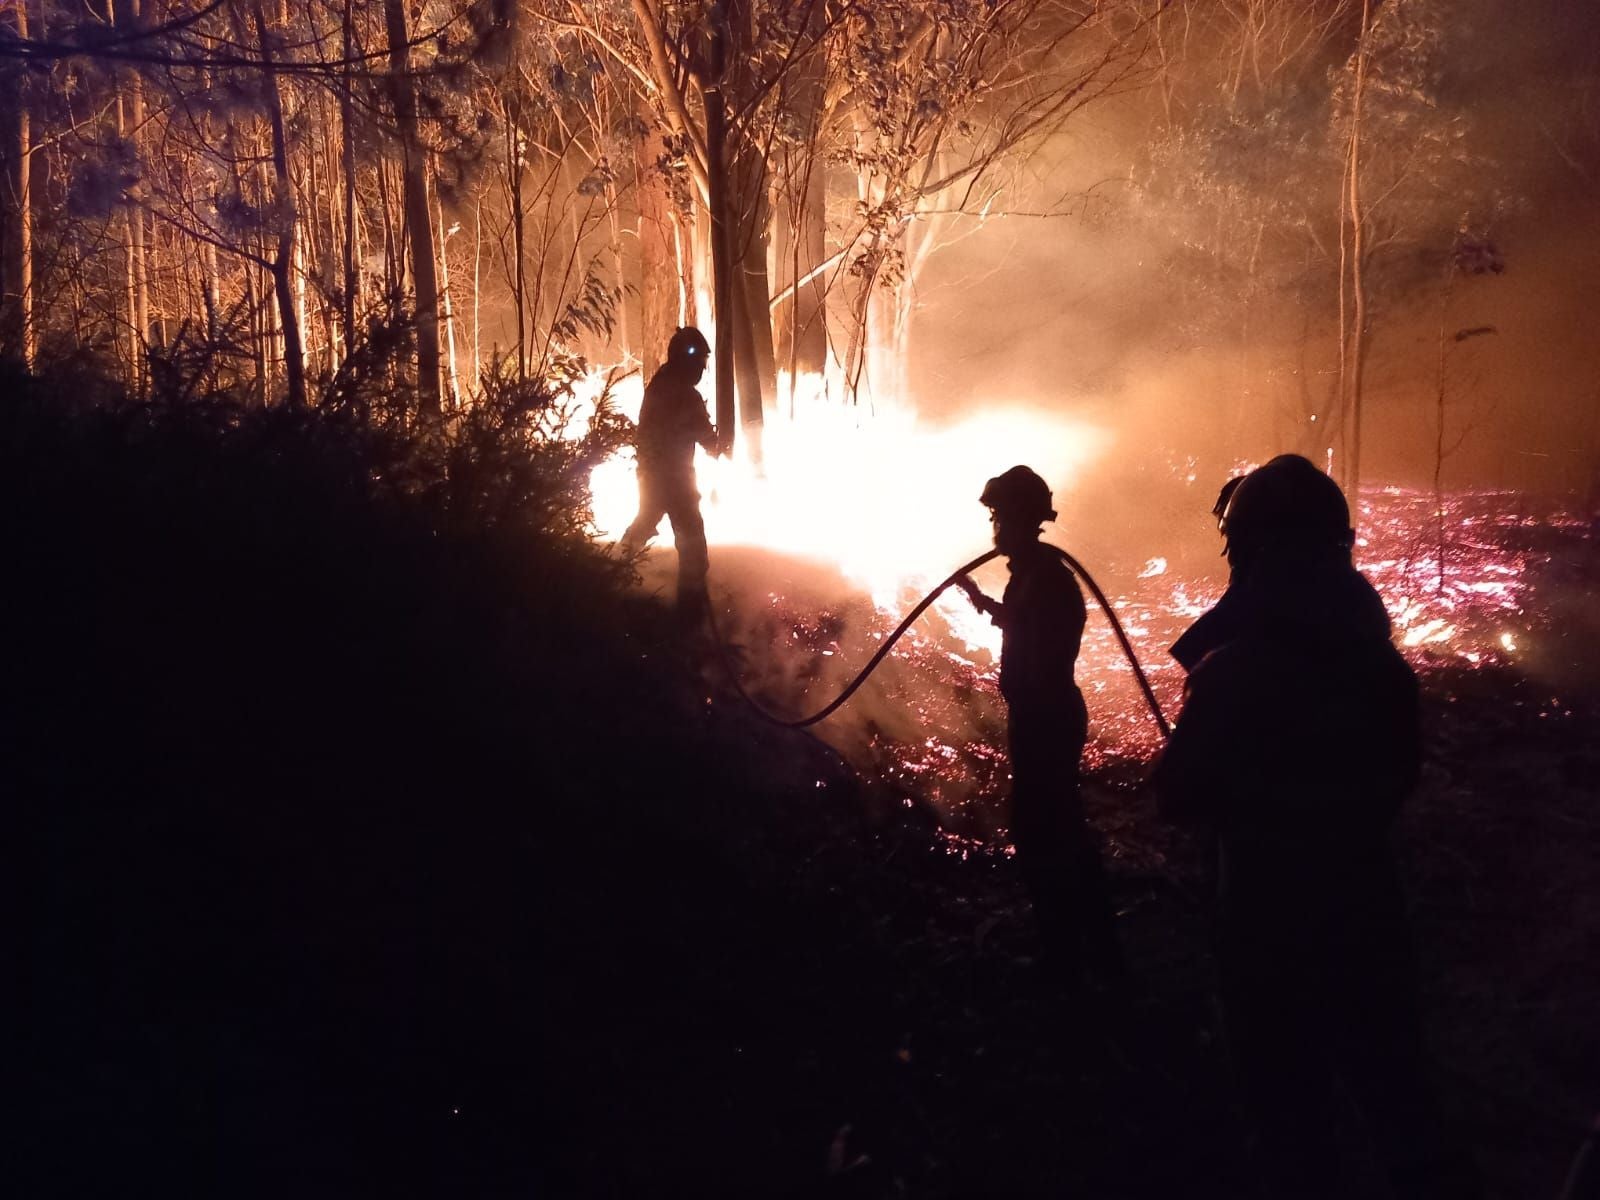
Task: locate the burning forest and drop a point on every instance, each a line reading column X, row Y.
column 398, row 810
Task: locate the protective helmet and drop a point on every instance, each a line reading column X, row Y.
column 688, row 345
column 1019, row 495
column 1285, row 504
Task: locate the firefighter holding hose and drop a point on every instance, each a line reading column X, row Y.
column 672, row 421
column 1041, row 617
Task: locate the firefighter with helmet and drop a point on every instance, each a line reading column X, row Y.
column 1299, row 739
column 1041, row 616
column 672, row 421
column 1287, row 500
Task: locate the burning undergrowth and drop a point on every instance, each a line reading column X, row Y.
column 1504, row 595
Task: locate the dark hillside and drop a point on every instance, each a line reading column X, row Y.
column 363, row 848
column 358, row 854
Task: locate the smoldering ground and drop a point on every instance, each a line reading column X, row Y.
column 927, row 726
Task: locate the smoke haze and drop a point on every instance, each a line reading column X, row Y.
column 1113, row 314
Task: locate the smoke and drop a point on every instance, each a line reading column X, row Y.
column 1188, row 317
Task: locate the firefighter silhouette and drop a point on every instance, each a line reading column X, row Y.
column 1298, row 741
column 672, row 420
column 1041, row 617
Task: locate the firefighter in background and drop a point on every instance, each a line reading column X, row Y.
column 1299, row 739
column 1041, row 618
column 672, row 421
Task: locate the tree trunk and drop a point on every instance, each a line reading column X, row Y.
column 258, row 335
column 658, row 259
column 477, row 292
column 746, row 361
column 800, row 320
column 420, row 228
column 752, row 301
column 212, row 297
column 16, row 254
column 284, row 213
column 1355, row 362
column 519, row 218
column 130, row 291
column 391, row 250
column 452, row 378
column 1439, row 419
column 138, row 265
column 721, row 264
column 347, row 155
column 747, row 214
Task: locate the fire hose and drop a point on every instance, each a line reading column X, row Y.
column 922, row 606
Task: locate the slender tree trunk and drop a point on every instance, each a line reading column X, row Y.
column 452, row 379
column 519, row 219
column 283, row 206
column 347, row 154
column 691, row 238
column 754, row 362
column 258, row 334
column 1356, row 360
column 138, row 265
column 659, row 287
column 1247, row 308
column 423, row 267
column 752, row 300
column 393, row 268
column 747, row 212
column 619, row 264
column 16, row 256
column 212, row 298
column 746, row 366
column 1440, row 389
column 721, row 262
column 477, row 292
column 130, row 290
column 1335, row 434
column 130, row 120
column 800, row 320
column 309, row 350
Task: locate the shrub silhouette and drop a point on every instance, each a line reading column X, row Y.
column 349, row 788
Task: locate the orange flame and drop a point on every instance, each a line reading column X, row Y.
column 890, row 500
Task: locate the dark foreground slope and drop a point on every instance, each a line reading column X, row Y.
column 353, row 853
column 356, row 849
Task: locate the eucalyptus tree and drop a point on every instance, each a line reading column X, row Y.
column 848, row 125
column 198, row 135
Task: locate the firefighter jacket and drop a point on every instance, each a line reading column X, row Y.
column 1041, row 617
column 1299, row 736
column 672, row 420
